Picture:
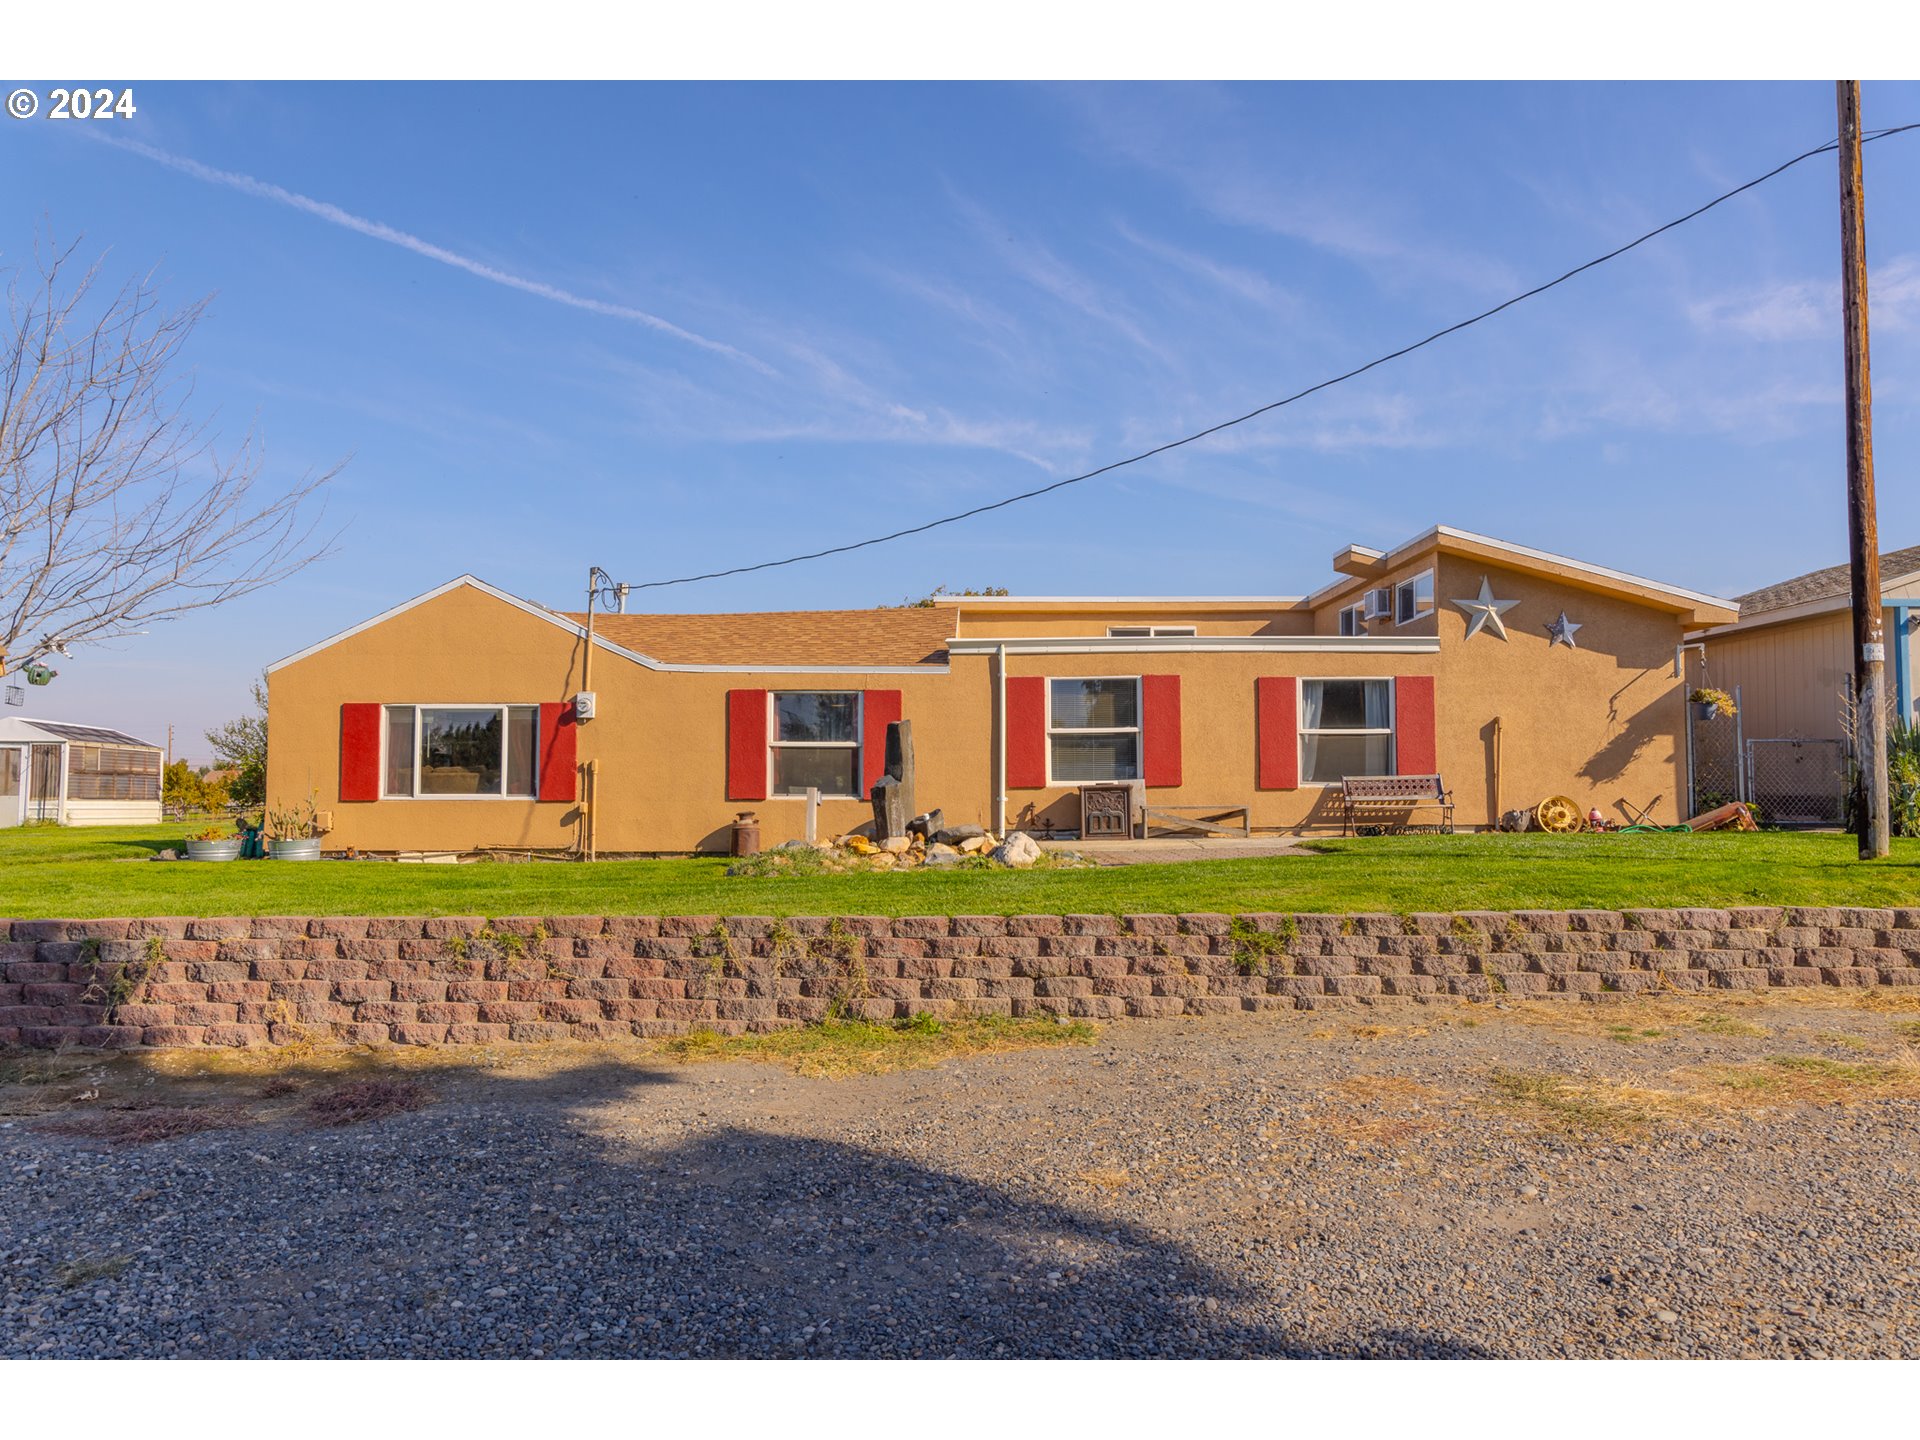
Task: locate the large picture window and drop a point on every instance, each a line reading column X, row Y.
column 816, row 742
column 1346, row 728
column 441, row 751
column 1093, row 730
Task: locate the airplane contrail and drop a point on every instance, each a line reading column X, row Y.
column 373, row 229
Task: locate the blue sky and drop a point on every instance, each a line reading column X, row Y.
column 667, row 328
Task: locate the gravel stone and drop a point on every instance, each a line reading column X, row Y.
column 1286, row 1184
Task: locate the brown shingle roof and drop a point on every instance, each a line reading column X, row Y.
column 1824, row 584
column 775, row 638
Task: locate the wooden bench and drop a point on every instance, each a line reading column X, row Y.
column 1204, row 818
column 1389, row 801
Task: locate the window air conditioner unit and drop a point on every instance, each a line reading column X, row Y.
column 1379, row 604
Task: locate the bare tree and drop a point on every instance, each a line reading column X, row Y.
column 115, row 510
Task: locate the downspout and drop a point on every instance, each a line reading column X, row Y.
column 1903, row 661
column 1000, row 742
column 587, row 796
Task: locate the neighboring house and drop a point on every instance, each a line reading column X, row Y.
column 449, row 722
column 76, row 775
column 1790, row 653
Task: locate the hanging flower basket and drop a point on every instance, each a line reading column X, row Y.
column 1709, row 703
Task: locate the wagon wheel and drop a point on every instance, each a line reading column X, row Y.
column 1559, row 815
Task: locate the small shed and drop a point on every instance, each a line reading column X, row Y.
column 76, row 775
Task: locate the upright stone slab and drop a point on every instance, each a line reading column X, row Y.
column 893, row 806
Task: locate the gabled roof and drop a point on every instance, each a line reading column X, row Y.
column 909, row 635
column 880, row 639
column 1835, row 580
column 17, row 728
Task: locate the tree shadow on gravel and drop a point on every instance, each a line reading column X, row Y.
column 515, row 1218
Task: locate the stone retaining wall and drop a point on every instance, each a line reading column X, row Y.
column 465, row 980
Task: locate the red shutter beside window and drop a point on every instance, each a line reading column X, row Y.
column 1276, row 703
column 878, row 709
column 559, row 754
column 746, row 744
column 1160, row 724
column 359, row 752
column 1026, row 732
column 1415, row 745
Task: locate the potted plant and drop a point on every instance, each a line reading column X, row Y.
column 1708, row 702
column 213, row 844
column 295, row 832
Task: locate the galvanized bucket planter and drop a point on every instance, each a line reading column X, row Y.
column 284, row 849
column 228, row 849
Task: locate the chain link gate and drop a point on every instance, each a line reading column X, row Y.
column 1798, row 782
column 1715, row 773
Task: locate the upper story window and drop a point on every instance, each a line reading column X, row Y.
column 815, row 740
column 1413, row 598
column 1150, row 632
column 453, row 751
column 1093, row 730
column 1346, row 728
column 1353, row 620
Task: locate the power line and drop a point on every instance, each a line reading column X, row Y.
column 1002, row 504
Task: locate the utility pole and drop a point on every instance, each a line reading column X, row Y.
column 1863, row 530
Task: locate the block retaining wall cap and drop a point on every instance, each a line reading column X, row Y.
column 432, row 980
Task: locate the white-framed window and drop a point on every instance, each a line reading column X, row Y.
column 1353, row 620
column 1150, row 632
column 1093, row 729
column 813, row 743
column 460, row 752
column 1346, row 728
column 1413, row 598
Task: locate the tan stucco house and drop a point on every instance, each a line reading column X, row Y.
column 454, row 720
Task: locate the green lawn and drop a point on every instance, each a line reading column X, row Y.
column 46, row 872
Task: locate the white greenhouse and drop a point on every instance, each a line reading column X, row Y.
column 76, row 775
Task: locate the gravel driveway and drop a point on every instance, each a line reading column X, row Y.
column 1427, row 1182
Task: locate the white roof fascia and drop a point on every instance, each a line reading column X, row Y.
column 1198, row 644
column 1261, row 601
column 1806, row 609
column 540, row 612
column 1527, row 552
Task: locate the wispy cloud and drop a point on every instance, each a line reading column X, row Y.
column 375, row 230
column 1797, row 309
column 1034, row 263
column 1236, row 280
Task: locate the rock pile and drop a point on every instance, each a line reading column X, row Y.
column 966, row 846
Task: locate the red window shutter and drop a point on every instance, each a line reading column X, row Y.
column 1415, row 746
column 746, row 744
column 559, row 753
column 1276, row 705
column 878, row 709
column 1160, row 725
column 1026, row 732
column 359, row 752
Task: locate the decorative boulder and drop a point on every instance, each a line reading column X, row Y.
column 1017, row 850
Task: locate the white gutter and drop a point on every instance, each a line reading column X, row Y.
column 1198, row 645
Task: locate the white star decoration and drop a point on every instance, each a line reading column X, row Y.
column 1561, row 632
column 1486, row 611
